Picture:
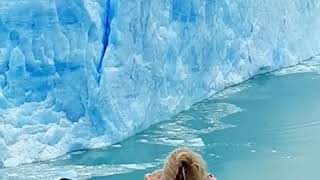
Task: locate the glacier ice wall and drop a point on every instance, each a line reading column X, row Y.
column 78, row 74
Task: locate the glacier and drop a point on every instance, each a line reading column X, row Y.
column 81, row 74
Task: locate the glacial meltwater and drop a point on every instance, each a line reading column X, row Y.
column 267, row 128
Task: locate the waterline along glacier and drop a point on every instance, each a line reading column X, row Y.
column 79, row 74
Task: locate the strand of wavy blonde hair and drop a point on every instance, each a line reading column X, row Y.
column 184, row 164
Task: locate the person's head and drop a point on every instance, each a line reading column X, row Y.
column 184, row 164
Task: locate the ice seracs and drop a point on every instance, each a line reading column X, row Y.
column 88, row 73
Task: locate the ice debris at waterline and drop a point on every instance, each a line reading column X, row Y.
column 83, row 74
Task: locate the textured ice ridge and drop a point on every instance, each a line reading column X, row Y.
column 81, row 74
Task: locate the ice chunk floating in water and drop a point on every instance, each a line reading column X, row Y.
column 88, row 73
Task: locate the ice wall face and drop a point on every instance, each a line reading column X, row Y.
column 87, row 73
column 49, row 55
column 173, row 53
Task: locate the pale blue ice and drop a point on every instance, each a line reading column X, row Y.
column 79, row 74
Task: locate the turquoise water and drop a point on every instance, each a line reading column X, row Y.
column 266, row 128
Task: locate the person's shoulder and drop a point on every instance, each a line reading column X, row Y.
column 156, row 175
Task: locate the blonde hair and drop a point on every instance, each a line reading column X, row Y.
column 184, row 164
